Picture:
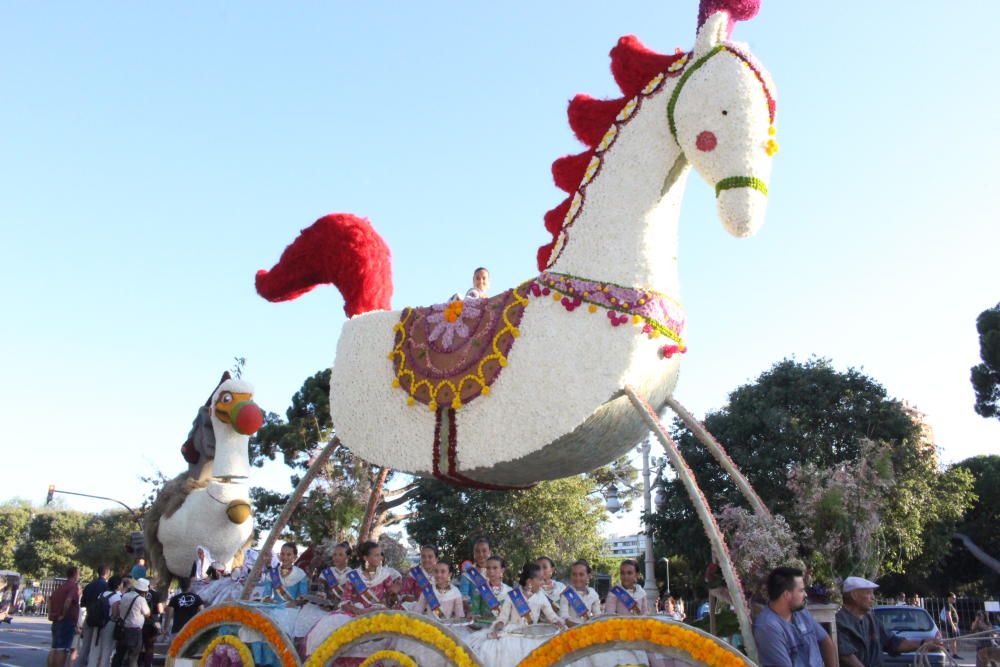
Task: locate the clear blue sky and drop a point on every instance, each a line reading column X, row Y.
column 153, row 156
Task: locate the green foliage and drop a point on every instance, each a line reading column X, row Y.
column 981, row 522
column 51, row 544
column 102, row 541
column 560, row 519
column 810, row 413
column 986, row 375
column 14, row 520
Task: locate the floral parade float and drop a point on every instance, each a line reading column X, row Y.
column 208, row 504
column 477, row 392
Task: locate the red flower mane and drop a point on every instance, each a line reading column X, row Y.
column 633, row 66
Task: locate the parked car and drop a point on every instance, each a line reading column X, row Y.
column 911, row 623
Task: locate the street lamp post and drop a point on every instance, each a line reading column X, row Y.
column 647, row 501
column 613, row 505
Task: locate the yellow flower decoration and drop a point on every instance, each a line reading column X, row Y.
column 400, row 657
column 398, row 623
column 245, row 656
column 626, row 633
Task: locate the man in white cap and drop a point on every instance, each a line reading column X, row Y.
column 860, row 636
column 134, row 609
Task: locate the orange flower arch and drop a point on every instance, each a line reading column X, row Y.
column 638, row 633
column 235, row 614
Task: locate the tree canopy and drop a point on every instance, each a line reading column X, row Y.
column 986, row 375
column 560, row 519
column 809, row 413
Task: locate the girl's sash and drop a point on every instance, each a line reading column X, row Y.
column 626, row 599
column 418, row 575
column 360, row 587
column 332, row 581
column 520, row 604
column 483, row 587
column 576, row 603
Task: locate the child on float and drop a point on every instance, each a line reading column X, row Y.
column 553, row 589
column 620, row 605
column 481, row 551
column 411, row 588
column 503, row 644
column 382, row 586
column 312, row 614
column 480, row 610
column 480, row 284
column 579, row 583
column 448, row 596
column 284, row 600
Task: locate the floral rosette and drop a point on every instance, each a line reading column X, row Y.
column 226, row 651
column 650, row 634
column 393, row 624
column 234, row 614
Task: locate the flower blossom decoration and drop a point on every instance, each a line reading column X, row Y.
column 447, row 320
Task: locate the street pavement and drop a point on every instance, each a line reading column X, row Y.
column 25, row 641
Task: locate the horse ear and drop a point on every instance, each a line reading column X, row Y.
column 713, row 32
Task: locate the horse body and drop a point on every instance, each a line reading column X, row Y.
column 556, row 408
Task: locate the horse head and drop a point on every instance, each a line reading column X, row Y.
column 721, row 114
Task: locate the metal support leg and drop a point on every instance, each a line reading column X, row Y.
column 286, row 514
column 700, row 503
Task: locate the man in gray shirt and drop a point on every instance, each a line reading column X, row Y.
column 860, row 636
column 786, row 634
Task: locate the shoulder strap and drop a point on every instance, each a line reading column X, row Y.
column 130, row 605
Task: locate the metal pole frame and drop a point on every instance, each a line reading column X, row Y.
column 286, row 514
column 719, row 452
column 704, row 512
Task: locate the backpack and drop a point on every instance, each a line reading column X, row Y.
column 99, row 610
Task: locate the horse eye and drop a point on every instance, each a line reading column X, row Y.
column 725, row 113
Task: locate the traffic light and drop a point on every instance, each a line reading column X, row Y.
column 52, row 492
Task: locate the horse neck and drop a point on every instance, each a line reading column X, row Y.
column 626, row 231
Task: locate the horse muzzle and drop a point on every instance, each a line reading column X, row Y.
column 741, row 202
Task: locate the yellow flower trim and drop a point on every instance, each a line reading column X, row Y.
column 392, row 623
column 398, row 656
column 520, row 299
column 245, row 656
column 702, row 648
column 236, row 614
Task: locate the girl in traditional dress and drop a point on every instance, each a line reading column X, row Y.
column 579, row 580
column 286, row 596
column 448, row 596
column 553, row 589
column 428, row 565
column 382, row 584
column 505, row 644
column 480, row 610
column 481, row 551
column 294, row 583
column 630, row 598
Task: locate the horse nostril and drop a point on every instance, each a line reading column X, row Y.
column 706, row 141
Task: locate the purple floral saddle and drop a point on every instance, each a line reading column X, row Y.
column 448, row 354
